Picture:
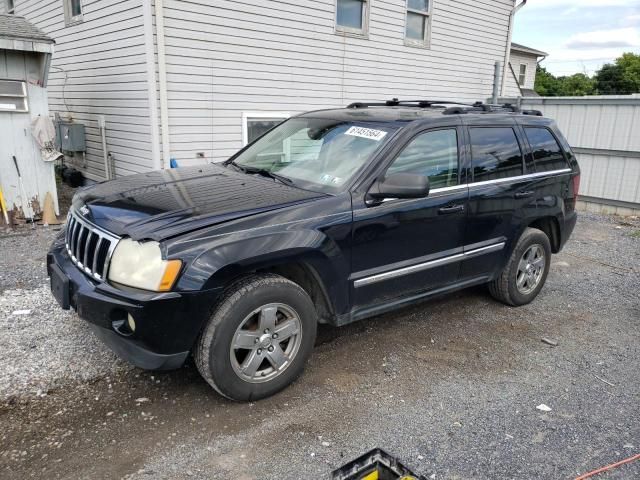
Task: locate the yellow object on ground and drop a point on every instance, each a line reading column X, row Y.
column 3, row 206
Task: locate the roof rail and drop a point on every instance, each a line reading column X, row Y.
column 457, row 109
column 394, row 102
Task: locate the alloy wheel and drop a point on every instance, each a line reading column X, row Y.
column 530, row 269
column 266, row 342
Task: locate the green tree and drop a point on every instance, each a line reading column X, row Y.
column 577, row 84
column 546, row 84
column 621, row 77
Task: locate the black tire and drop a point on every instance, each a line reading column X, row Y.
column 213, row 349
column 504, row 288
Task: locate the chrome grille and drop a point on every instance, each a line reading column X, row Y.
column 89, row 247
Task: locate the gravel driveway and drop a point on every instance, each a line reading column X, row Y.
column 450, row 387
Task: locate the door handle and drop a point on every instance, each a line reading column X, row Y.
column 451, row 209
column 526, row 194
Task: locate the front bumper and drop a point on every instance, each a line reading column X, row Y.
column 167, row 324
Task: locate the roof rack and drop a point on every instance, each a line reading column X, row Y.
column 457, row 109
column 394, row 102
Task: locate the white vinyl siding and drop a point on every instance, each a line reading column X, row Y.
column 99, row 68
column 282, row 55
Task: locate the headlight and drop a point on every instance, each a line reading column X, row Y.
column 140, row 265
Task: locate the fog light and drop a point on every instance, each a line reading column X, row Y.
column 131, row 323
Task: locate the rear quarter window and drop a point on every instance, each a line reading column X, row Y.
column 547, row 154
column 495, row 153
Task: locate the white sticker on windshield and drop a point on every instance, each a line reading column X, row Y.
column 369, row 133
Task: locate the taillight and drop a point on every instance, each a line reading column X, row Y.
column 576, row 186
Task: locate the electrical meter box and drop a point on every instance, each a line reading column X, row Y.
column 70, row 137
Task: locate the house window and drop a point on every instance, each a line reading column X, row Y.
column 352, row 16
column 418, row 22
column 11, row 8
column 256, row 124
column 72, row 11
column 13, row 96
column 522, row 74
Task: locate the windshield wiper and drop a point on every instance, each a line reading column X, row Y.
column 262, row 171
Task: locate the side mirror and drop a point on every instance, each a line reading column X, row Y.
column 400, row 185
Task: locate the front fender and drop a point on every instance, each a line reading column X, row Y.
column 228, row 257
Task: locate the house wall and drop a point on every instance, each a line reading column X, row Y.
column 511, row 88
column 100, row 68
column 251, row 56
column 259, row 55
column 37, row 176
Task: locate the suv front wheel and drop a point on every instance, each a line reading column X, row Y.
column 258, row 338
column 525, row 273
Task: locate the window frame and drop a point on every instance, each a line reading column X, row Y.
column 521, row 144
column 246, row 116
column 70, row 19
column 24, row 96
column 353, row 32
column 522, row 76
column 11, row 7
column 426, row 41
column 459, row 148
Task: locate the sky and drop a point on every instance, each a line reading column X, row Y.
column 579, row 35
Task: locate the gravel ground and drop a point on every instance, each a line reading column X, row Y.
column 42, row 347
column 23, row 256
column 450, row 387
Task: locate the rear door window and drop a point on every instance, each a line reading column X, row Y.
column 495, row 153
column 547, row 154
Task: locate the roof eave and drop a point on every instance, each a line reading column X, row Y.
column 529, row 51
column 26, row 45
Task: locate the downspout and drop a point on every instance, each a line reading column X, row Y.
column 147, row 14
column 507, row 52
column 162, row 84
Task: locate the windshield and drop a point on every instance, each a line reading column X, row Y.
column 316, row 154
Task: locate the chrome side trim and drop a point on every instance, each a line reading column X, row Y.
column 456, row 188
column 427, row 265
column 481, row 251
column 550, row 173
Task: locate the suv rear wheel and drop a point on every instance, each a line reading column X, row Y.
column 258, row 338
column 525, row 273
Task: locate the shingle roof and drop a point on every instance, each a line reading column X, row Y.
column 13, row 27
column 522, row 48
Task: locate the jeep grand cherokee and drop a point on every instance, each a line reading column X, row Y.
column 332, row 216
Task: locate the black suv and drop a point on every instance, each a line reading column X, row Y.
column 332, row 216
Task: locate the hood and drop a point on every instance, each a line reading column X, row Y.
column 165, row 203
